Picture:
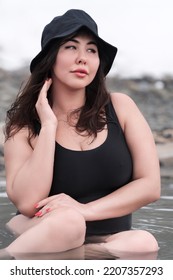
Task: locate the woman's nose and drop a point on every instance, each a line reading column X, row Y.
column 81, row 59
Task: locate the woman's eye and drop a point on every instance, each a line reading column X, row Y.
column 70, row 47
column 92, row 50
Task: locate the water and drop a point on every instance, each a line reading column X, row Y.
column 156, row 218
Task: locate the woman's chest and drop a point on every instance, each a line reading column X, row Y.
column 95, row 171
column 69, row 138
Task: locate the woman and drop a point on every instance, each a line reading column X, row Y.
column 78, row 160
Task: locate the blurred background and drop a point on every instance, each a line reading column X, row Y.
column 143, row 69
column 141, row 29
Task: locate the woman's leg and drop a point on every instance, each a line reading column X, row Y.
column 132, row 244
column 57, row 231
column 132, row 241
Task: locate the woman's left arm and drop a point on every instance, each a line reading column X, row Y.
column 145, row 186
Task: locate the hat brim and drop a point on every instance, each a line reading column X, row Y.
column 107, row 51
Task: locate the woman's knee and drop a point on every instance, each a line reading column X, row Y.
column 136, row 241
column 68, row 223
column 146, row 241
column 141, row 241
column 75, row 224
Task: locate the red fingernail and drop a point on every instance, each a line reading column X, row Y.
column 38, row 214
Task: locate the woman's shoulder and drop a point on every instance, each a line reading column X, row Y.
column 121, row 98
column 124, row 106
column 17, row 138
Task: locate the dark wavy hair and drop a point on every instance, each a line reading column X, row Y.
column 22, row 113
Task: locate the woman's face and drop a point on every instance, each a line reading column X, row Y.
column 77, row 62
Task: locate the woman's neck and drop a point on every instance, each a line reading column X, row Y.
column 66, row 101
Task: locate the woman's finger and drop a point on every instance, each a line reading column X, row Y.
column 45, row 88
column 44, row 202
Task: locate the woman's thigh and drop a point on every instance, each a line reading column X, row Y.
column 20, row 223
column 132, row 244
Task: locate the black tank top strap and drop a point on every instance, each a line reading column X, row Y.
column 111, row 114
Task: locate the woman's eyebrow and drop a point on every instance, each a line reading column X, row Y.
column 77, row 41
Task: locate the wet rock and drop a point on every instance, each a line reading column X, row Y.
column 165, row 152
column 164, row 136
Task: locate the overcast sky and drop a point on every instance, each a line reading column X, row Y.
column 141, row 29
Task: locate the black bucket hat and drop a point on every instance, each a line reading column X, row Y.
column 65, row 25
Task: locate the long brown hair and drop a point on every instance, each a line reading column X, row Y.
column 22, row 112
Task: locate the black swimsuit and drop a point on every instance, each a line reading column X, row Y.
column 92, row 174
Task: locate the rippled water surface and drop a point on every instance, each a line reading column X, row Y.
column 156, row 218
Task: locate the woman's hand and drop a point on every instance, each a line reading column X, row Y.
column 53, row 202
column 43, row 108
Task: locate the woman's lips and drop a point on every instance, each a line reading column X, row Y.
column 80, row 72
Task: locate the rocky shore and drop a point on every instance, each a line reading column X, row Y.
column 153, row 96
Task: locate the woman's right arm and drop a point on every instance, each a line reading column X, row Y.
column 29, row 171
